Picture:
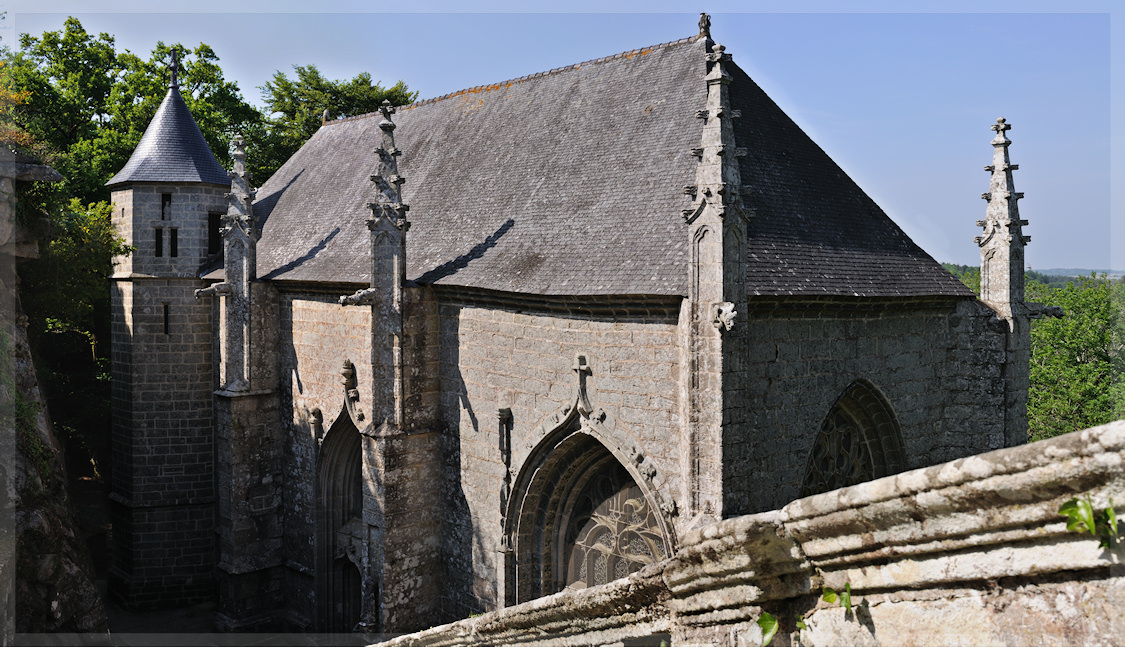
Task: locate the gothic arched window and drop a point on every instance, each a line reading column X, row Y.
column 858, row 441
column 609, row 531
column 580, row 519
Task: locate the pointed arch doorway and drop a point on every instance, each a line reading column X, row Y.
column 340, row 532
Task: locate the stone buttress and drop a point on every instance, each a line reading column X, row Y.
column 399, row 564
column 717, row 225
column 248, row 445
column 1002, row 281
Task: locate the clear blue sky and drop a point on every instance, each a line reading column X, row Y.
column 902, row 101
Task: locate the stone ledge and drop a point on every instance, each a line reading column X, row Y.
column 980, row 538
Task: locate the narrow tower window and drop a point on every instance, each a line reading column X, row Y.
column 165, row 206
column 167, row 308
column 159, row 242
column 214, row 233
column 174, row 243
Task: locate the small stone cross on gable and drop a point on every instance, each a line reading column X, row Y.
column 1001, row 125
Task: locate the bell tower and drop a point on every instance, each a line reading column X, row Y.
column 166, row 201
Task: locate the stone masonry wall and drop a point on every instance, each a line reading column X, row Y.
column 495, row 358
column 413, row 581
column 248, row 451
column 137, row 214
column 938, row 364
column 411, row 472
column 163, row 442
column 315, row 336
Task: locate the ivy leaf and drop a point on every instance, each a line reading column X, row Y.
column 1107, row 530
column 1070, row 511
column 768, row 623
column 801, row 622
column 1086, row 515
column 846, row 597
column 829, row 595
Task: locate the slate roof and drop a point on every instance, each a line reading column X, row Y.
column 570, row 182
column 172, row 149
column 814, row 231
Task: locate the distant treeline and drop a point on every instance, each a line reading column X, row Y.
column 970, row 276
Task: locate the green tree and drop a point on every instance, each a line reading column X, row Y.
column 65, row 296
column 64, row 289
column 967, row 274
column 296, row 107
column 89, row 104
column 68, row 75
column 1075, row 380
column 82, row 106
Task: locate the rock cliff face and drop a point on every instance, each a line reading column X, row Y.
column 54, row 591
column 51, row 590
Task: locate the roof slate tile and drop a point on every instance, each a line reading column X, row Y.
column 570, row 182
column 172, row 149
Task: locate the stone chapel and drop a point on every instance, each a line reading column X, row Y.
column 468, row 352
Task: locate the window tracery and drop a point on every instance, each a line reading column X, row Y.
column 581, row 519
column 611, row 531
column 859, row 441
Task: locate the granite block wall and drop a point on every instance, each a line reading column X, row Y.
column 248, row 450
column 938, row 364
column 315, row 334
column 411, row 477
column 163, row 443
column 494, row 358
column 138, row 212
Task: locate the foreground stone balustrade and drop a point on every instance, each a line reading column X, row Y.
column 970, row 552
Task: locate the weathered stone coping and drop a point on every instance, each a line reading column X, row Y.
column 946, row 530
column 632, row 606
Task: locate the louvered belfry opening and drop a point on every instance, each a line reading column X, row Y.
column 858, row 441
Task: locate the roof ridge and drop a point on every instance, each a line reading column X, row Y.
column 494, row 86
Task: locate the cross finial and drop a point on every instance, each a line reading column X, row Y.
column 174, row 68
column 705, row 25
column 1001, row 125
column 387, row 109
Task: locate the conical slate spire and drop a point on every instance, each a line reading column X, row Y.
column 172, row 148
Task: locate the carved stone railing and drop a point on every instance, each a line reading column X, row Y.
column 970, row 552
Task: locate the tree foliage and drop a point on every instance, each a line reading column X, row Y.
column 75, row 101
column 1075, row 360
column 66, row 287
column 296, row 107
